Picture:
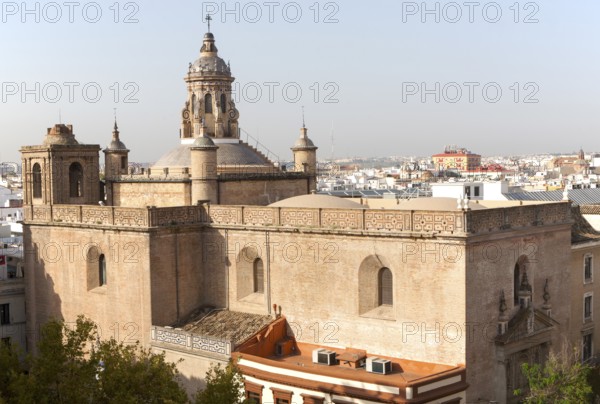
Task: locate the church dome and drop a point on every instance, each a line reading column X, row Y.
column 303, row 142
column 116, row 144
column 60, row 135
column 203, row 143
column 209, row 62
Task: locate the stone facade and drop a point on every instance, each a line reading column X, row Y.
column 476, row 287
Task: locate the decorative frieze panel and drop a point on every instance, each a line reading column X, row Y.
column 260, row 216
column 41, row 213
column 212, row 345
column 67, row 214
column 96, row 215
column 170, row 336
column 175, row 216
column 520, row 217
column 225, row 215
column 191, row 342
column 130, row 217
column 439, row 222
column 483, row 221
column 342, row 219
column 299, row 217
column 387, row 220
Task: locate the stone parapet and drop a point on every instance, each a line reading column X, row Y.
column 459, row 222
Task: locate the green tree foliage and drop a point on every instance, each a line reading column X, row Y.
column 563, row 379
column 224, row 385
column 74, row 366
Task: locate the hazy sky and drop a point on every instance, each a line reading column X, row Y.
column 388, row 77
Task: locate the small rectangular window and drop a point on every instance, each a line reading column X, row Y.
column 586, row 351
column 587, row 268
column 587, row 308
column 476, row 191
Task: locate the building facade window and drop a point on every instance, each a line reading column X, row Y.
column 385, row 284
column 76, row 180
column 308, row 399
column 587, row 347
column 37, row 181
column 253, row 392
column 123, row 162
column 258, row 276
column 208, row 107
column 587, row 307
column 102, row 270
column 4, row 314
column 588, row 268
column 282, row 396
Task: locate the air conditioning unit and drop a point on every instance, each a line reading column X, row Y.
column 324, row 357
column 377, row 365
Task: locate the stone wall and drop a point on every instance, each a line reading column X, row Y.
column 59, row 261
column 490, row 266
column 151, row 193
column 260, row 192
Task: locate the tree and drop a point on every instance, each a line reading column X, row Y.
column 224, row 385
column 10, row 369
column 562, row 379
column 130, row 374
column 74, row 366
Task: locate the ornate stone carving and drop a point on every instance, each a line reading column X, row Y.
column 343, row 219
column 299, row 217
column 260, row 216
column 387, row 220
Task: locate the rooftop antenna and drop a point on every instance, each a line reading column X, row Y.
column 208, row 19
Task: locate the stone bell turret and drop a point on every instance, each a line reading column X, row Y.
column 116, row 156
column 305, row 157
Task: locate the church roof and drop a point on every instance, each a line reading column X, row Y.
column 317, row 201
column 227, row 154
column 234, row 326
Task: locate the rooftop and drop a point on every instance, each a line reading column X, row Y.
column 224, row 324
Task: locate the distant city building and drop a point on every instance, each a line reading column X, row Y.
column 459, row 159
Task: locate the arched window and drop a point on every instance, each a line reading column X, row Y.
column 385, row 284
column 76, row 180
column 258, row 276
column 37, row 181
column 223, row 103
column 208, row 104
column 102, row 270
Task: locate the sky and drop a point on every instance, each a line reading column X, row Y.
column 379, row 78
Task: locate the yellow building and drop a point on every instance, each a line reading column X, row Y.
column 456, row 159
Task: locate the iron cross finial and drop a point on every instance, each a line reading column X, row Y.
column 208, row 19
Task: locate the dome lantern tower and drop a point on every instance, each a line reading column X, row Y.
column 209, row 101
